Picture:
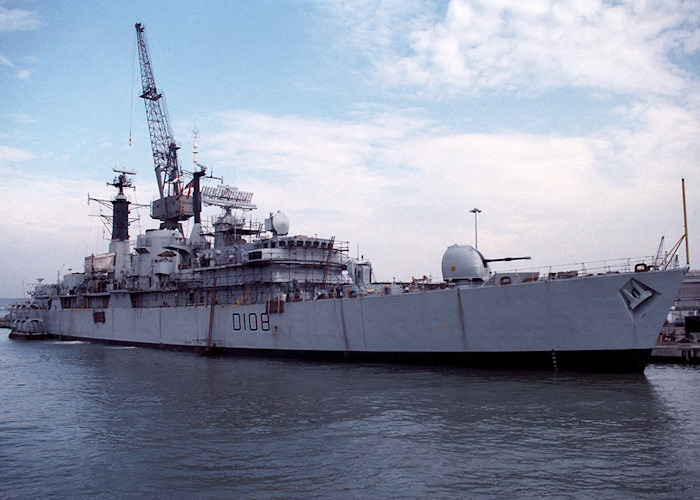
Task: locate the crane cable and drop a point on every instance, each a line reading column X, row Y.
column 133, row 77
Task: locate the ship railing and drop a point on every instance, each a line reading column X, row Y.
column 591, row 268
column 317, row 262
column 338, row 259
column 315, row 243
column 252, row 281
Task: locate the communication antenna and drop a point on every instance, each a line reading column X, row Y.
column 685, row 225
column 124, row 171
column 195, row 152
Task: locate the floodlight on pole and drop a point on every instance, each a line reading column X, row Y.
column 475, row 211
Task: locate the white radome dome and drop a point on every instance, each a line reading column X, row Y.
column 464, row 262
column 280, row 223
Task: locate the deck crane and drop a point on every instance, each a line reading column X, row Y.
column 659, row 253
column 172, row 207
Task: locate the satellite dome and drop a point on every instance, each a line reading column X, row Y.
column 464, row 262
column 280, row 223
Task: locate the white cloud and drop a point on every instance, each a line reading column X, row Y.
column 402, row 188
column 519, row 47
column 4, row 61
column 22, row 118
column 18, row 20
column 23, row 74
column 46, row 223
column 664, row 143
column 9, row 155
column 286, row 153
column 44, row 226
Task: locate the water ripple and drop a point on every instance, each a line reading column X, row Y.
column 84, row 420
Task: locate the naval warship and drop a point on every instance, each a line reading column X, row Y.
column 252, row 288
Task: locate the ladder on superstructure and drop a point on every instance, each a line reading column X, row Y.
column 328, row 262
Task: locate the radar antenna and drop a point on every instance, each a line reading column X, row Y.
column 227, row 197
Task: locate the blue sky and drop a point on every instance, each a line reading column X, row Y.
column 568, row 123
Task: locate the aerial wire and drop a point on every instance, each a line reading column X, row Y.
column 133, row 77
column 88, row 238
column 131, row 121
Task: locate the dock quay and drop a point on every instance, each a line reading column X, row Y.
column 676, row 352
column 679, row 340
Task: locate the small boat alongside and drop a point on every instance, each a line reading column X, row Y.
column 26, row 323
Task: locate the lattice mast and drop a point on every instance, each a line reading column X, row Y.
column 172, row 207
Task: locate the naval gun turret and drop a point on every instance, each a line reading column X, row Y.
column 464, row 265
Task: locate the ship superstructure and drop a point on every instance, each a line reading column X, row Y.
column 252, row 263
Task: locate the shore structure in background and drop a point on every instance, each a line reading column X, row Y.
column 679, row 341
column 253, row 288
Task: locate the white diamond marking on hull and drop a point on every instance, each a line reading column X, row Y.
column 635, row 293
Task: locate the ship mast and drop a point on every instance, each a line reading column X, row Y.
column 119, row 243
column 120, row 206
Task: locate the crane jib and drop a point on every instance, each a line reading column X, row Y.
column 171, row 208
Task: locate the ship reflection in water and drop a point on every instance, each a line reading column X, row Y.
column 88, row 420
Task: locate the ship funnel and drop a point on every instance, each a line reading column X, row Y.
column 197, row 239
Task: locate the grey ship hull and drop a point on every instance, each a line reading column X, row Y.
column 598, row 323
column 601, row 322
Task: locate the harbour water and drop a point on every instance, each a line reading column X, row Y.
column 80, row 420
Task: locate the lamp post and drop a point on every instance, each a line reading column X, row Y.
column 475, row 211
